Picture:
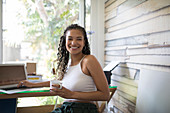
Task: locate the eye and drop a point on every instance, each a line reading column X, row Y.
column 79, row 38
column 69, row 38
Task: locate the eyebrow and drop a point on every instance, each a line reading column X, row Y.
column 76, row 37
column 79, row 37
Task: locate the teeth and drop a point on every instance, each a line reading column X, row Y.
column 74, row 47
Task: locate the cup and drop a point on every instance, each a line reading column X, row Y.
column 52, row 82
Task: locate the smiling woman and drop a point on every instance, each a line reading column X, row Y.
column 69, row 40
column 82, row 77
column 74, row 41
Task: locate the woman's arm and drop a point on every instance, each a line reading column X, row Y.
column 31, row 84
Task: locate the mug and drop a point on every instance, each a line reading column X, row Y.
column 52, row 82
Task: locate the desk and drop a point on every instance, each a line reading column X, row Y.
column 38, row 93
column 8, row 102
column 47, row 93
column 27, row 94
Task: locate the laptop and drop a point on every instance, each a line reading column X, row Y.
column 11, row 75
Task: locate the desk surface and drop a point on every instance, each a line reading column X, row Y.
column 37, row 93
column 33, row 94
column 28, row 93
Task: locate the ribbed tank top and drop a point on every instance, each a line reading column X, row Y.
column 76, row 80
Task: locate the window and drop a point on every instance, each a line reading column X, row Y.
column 31, row 31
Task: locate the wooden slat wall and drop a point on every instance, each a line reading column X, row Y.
column 138, row 35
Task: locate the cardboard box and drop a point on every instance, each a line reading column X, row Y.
column 31, row 68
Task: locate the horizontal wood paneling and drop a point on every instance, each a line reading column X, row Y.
column 126, row 47
column 131, row 99
column 145, row 66
column 164, row 11
column 115, row 4
column 109, row 2
column 125, row 80
column 115, row 58
column 138, row 40
column 128, row 5
column 148, row 51
column 111, row 14
column 148, row 59
column 121, row 106
column 155, row 25
column 138, row 36
column 130, row 90
column 122, row 103
column 159, row 39
column 140, row 10
column 116, row 52
column 139, row 51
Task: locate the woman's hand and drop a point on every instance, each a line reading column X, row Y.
column 26, row 83
column 63, row 92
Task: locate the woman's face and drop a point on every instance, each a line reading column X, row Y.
column 74, row 41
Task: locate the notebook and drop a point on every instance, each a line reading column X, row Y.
column 11, row 74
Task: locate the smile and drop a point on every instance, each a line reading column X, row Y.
column 74, row 47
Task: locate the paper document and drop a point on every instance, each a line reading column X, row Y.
column 27, row 90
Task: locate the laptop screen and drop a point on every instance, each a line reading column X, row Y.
column 12, row 73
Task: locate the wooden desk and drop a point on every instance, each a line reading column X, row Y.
column 42, row 93
column 31, row 94
column 46, row 93
column 8, row 102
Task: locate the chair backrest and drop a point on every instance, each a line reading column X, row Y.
column 101, row 105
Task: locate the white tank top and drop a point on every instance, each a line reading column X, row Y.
column 76, row 80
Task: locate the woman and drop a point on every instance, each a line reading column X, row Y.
column 82, row 77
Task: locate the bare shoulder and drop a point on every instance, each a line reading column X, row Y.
column 90, row 58
column 93, row 66
column 90, row 61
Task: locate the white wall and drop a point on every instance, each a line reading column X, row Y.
column 82, row 11
column 97, row 25
column 1, row 45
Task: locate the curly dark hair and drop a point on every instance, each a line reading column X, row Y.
column 63, row 54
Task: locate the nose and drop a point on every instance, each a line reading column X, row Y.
column 73, row 42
